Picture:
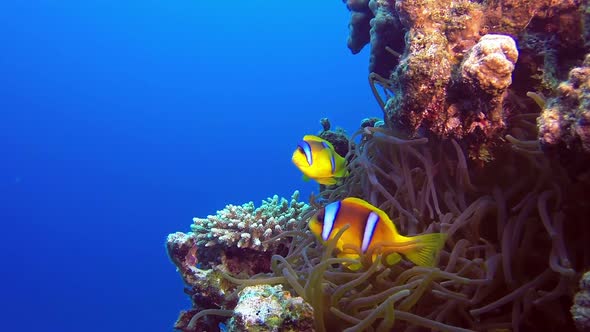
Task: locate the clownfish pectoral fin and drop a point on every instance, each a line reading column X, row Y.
column 426, row 248
column 328, row 181
column 351, row 266
column 392, row 259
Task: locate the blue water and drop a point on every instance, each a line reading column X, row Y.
column 122, row 120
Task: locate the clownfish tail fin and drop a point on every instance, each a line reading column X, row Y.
column 426, row 248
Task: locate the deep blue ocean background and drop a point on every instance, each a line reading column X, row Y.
column 122, row 120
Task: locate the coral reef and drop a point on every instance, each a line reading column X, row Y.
column 461, row 151
column 564, row 123
column 431, row 60
column 581, row 308
column 269, row 308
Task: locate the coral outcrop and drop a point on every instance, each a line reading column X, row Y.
column 377, row 23
column 359, row 25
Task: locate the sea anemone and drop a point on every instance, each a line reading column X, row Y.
column 514, row 250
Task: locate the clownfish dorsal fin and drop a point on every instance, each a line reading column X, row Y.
column 314, row 138
column 383, row 217
column 364, row 204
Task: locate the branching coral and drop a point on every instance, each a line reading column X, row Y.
column 245, row 226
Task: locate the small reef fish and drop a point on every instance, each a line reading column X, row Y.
column 316, row 159
column 372, row 231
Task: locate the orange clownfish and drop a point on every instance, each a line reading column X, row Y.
column 372, row 231
column 317, row 159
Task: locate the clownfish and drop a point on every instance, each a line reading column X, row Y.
column 372, row 231
column 317, row 159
